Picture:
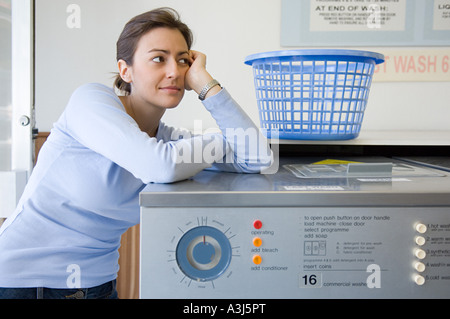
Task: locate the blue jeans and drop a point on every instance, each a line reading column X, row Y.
column 105, row 291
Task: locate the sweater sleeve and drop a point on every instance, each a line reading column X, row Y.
column 95, row 117
column 247, row 149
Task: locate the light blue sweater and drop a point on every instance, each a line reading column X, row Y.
column 83, row 193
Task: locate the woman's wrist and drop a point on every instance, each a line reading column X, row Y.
column 198, row 79
column 209, row 89
column 201, row 81
column 213, row 91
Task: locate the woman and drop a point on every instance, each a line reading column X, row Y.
column 62, row 241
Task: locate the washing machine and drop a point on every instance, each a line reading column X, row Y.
column 325, row 228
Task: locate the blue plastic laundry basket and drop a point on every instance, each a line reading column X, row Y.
column 313, row 94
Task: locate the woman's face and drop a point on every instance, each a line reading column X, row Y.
column 159, row 67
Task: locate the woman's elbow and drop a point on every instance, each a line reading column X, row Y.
column 260, row 164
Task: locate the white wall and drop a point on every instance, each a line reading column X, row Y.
column 227, row 31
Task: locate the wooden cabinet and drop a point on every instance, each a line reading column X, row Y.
column 128, row 277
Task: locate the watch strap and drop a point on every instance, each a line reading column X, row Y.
column 206, row 89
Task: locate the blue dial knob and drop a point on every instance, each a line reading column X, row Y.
column 203, row 253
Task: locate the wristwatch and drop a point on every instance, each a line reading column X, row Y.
column 206, row 89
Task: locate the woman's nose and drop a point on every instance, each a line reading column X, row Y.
column 172, row 70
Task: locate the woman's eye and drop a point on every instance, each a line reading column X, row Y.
column 184, row 61
column 158, row 59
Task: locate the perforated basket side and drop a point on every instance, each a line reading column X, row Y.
column 312, row 99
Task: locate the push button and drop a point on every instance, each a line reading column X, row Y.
column 420, row 253
column 257, row 259
column 419, row 266
column 257, row 241
column 257, row 224
column 419, row 280
column 421, row 228
column 420, row 240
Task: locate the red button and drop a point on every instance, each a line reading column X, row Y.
column 257, row 224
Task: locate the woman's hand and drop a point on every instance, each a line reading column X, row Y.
column 197, row 76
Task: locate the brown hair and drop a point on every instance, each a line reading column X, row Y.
column 140, row 25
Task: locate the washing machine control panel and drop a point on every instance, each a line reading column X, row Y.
column 290, row 252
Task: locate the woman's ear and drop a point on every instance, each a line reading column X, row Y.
column 124, row 70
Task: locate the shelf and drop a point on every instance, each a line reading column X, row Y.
column 385, row 138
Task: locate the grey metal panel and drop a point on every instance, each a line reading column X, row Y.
column 216, row 189
column 312, row 252
column 285, row 199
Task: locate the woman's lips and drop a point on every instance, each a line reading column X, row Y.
column 171, row 88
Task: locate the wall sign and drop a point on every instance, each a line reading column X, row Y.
column 339, row 16
column 413, row 65
column 365, row 22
